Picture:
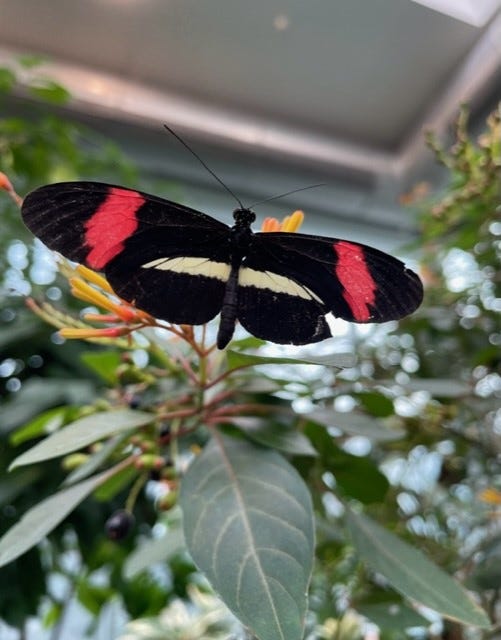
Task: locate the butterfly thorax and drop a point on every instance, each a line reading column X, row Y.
column 241, row 233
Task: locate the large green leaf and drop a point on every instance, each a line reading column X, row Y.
column 83, row 432
column 411, row 573
column 237, row 360
column 248, row 524
column 44, row 517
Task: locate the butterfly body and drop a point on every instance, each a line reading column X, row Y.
column 185, row 267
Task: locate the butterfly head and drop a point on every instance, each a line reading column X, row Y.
column 243, row 217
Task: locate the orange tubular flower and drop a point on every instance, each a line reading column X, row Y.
column 290, row 224
column 6, row 185
column 91, row 287
column 106, row 332
column 94, row 277
column 80, row 289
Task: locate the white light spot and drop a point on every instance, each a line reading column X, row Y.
column 281, row 22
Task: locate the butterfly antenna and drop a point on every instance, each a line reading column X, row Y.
column 195, row 154
column 287, row 193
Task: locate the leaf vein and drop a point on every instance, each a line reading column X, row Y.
column 283, row 522
column 249, row 533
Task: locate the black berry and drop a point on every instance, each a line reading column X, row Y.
column 118, row 525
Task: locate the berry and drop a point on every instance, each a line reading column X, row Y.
column 119, row 524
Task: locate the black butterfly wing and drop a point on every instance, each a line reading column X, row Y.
column 274, row 304
column 318, row 275
column 154, row 252
column 181, row 277
column 270, row 307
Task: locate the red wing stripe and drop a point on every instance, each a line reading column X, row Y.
column 113, row 222
column 359, row 288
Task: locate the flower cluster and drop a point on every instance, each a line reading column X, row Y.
column 91, row 287
column 119, row 317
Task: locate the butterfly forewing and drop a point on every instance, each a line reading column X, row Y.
column 89, row 222
column 144, row 245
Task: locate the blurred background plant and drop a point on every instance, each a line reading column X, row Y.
column 411, row 432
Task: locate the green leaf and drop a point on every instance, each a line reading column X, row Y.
column 52, row 615
column 411, row 573
column 275, row 435
column 115, row 483
column 248, row 524
column 95, row 460
column 93, row 596
column 47, row 422
column 357, row 477
column 249, row 342
column 376, row 403
column 82, row 433
column 355, row 424
column 154, row 551
column 30, row 61
column 50, row 91
column 7, row 80
column 250, row 384
column 44, row 517
column 103, row 363
column 237, row 360
column 392, row 615
column 39, row 394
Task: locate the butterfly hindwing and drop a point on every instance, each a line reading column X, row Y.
column 355, row 282
column 178, row 275
column 274, row 306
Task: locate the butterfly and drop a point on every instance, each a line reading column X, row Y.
column 185, row 267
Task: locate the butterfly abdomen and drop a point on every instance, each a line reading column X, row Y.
column 229, row 309
column 240, row 241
